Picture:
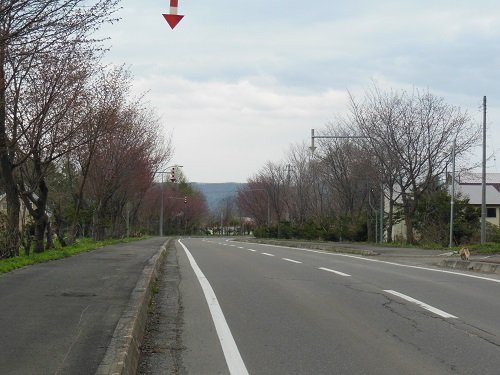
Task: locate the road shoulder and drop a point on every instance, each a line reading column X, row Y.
column 123, row 352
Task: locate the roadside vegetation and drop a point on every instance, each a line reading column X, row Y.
column 391, row 152
column 80, row 153
column 58, row 252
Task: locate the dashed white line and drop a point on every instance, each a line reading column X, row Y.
column 231, row 353
column 252, row 250
column 269, row 255
column 292, row 261
column 423, row 305
column 333, row 271
column 365, row 259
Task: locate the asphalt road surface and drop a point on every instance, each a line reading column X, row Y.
column 274, row 310
column 58, row 317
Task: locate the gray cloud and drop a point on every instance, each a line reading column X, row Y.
column 265, row 72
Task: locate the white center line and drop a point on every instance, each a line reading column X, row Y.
column 332, row 271
column 252, row 250
column 269, row 255
column 231, row 353
column 291, row 260
column 239, row 247
column 421, row 304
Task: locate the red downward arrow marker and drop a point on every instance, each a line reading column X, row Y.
column 173, row 18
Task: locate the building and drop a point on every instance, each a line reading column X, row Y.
column 469, row 185
column 24, row 216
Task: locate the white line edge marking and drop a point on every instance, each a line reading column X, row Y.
column 386, row 262
column 269, row 255
column 291, row 260
column 423, row 305
column 231, row 353
column 332, row 271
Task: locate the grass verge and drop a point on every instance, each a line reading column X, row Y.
column 81, row 246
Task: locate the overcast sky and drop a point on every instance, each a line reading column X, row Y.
column 239, row 81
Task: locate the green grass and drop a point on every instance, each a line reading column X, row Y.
column 81, row 246
column 487, row 248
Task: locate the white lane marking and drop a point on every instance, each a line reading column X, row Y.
column 292, row 261
column 386, row 262
column 252, row 250
column 231, row 353
column 269, row 255
column 333, row 271
column 423, row 305
column 240, row 247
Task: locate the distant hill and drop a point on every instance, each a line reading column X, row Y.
column 215, row 193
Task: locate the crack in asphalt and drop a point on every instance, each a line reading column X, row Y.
column 74, row 341
column 388, row 305
column 461, row 326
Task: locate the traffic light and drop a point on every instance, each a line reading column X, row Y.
column 172, row 175
column 185, row 200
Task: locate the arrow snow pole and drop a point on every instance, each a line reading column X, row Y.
column 173, row 18
column 173, row 6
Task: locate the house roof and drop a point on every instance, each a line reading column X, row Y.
column 474, row 193
column 477, row 178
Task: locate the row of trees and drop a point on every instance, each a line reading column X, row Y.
column 185, row 209
column 401, row 151
column 74, row 146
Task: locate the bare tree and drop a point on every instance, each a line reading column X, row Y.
column 106, row 98
column 124, row 164
column 252, row 200
column 49, row 125
column 30, row 31
column 410, row 135
column 300, row 182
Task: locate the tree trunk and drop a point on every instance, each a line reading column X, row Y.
column 6, row 172
column 39, row 234
column 40, row 215
column 390, row 216
column 408, row 212
column 50, row 242
column 58, row 223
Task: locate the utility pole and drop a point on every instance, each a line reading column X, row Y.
column 381, row 235
column 483, row 184
column 452, row 203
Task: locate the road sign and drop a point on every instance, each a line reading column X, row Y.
column 173, row 18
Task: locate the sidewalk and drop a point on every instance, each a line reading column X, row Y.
column 59, row 317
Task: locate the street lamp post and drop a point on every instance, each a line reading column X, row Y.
column 172, row 179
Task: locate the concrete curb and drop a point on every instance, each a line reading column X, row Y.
column 123, row 352
column 465, row 265
column 315, row 246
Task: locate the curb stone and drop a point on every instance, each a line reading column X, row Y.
column 314, row 246
column 483, row 267
column 123, row 352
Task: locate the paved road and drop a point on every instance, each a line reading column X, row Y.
column 58, row 317
column 292, row 311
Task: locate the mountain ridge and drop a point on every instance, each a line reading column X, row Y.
column 216, row 192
